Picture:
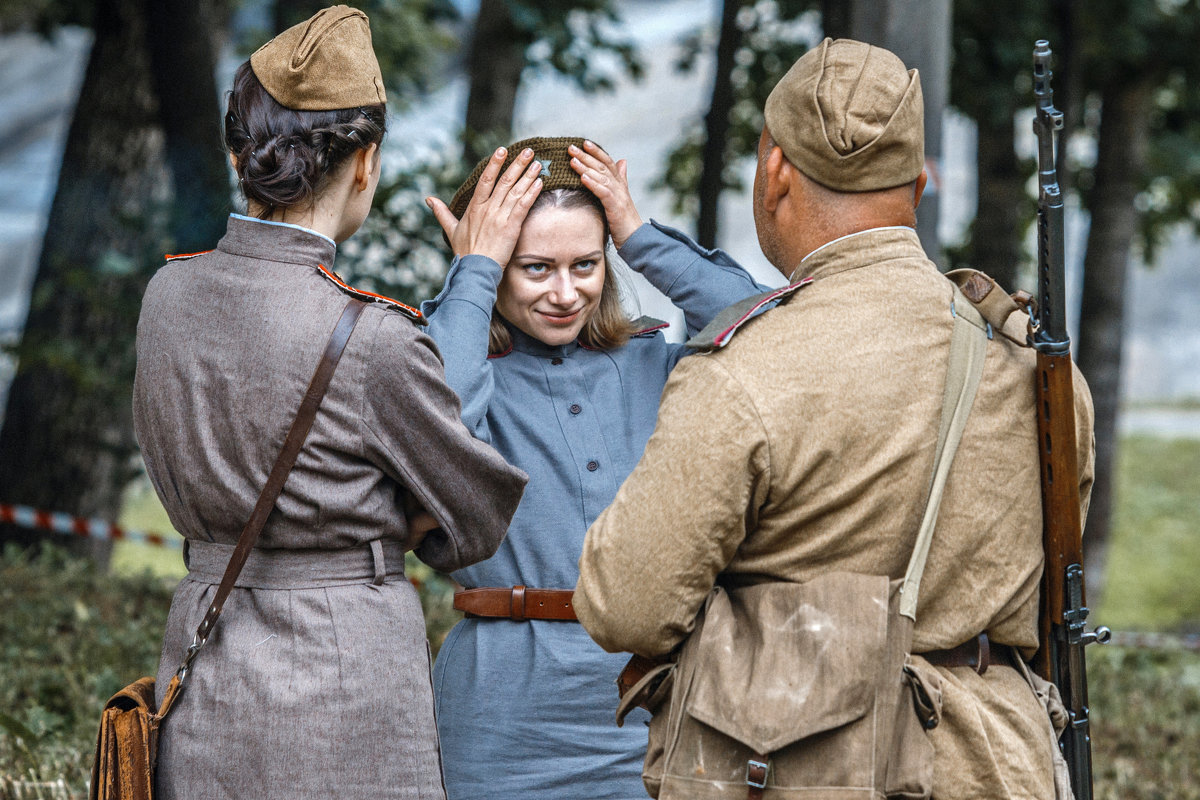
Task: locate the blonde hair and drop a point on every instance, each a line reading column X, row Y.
column 609, row 326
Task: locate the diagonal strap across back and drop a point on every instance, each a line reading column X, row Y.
column 270, row 493
column 968, row 347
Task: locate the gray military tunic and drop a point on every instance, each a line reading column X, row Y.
column 525, row 709
column 316, row 680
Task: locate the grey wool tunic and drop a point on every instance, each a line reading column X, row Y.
column 316, row 679
column 526, row 709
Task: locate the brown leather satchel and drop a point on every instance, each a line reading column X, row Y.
column 126, row 746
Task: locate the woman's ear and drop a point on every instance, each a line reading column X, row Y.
column 366, row 161
column 233, row 161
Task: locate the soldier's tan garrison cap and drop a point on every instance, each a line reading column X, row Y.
column 850, row 116
column 551, row 151
column 324, row 64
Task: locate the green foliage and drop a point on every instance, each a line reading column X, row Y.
column 774, row 34
column 399, row 251
column 70, row 637
column 578, row 40
column 1119, row 41
column 1155, row 551
column 991, row 50
column 1145, row 723
column 1124, row 41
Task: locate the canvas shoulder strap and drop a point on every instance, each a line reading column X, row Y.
column 270, row 493
column 968, row 347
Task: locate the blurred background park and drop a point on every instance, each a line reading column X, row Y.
column 110, row 156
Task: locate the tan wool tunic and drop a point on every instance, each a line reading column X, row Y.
column 805, row 446
column 315, row 681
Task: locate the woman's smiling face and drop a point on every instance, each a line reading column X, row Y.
column 552, row 285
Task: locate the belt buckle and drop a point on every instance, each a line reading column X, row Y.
column 756, row 773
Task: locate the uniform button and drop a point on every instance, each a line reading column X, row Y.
column 593, row 466
column 556, row 361
column 575, row 408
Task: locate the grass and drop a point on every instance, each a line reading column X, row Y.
column 1145, row 723
column 70, row 637
column 1154, row 558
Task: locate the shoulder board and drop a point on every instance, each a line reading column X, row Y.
column 720, row 331
column 990, row 300
column 647, row 325
column 181, row 256
column 371, row 297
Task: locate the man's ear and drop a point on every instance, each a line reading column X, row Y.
column 778, row 174
column 922, row 179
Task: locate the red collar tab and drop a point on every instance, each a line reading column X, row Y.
column 180, row 256
column 644, row 325
column 720, row 331
column 371, row 297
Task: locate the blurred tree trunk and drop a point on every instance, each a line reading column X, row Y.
column 835, row 18
column 1000, row 194
column 1121, row 160
column 179, row 34
column 148, row 99
column 1068, row 87
column 497, row 60
column 67, row 440
column 716, row 125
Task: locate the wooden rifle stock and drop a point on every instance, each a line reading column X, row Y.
column 1061, row 527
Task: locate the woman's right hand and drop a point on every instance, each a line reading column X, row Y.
column 492, row 222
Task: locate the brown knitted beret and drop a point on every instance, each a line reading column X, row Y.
column 850, row 116
column 324, row 64
column 556, row 167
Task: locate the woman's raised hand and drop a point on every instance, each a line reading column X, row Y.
column 492, row 222
column 606, row 179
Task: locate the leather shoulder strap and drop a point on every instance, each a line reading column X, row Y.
column 270, row 493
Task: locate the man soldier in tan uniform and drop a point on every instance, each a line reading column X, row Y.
column 803, row 442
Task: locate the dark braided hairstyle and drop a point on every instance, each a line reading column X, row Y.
column 284, row 156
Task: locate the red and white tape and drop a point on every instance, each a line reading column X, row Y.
column 35, row 519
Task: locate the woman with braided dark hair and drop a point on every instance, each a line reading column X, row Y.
column 293, row 164
column 315, row 681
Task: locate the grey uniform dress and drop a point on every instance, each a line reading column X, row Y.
column 525, row 709
column 316, row 679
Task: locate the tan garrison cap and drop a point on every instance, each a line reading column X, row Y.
column 323, row 64
column 556, row 167
column 850, row 116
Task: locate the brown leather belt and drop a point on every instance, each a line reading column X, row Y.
column 518, row 603
column 974, row 653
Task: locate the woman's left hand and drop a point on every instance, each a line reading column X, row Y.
column 606, row 179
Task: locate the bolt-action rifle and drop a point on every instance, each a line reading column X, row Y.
column 1063, row 636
